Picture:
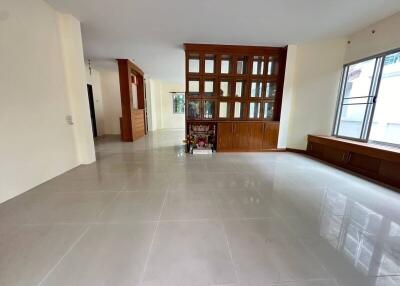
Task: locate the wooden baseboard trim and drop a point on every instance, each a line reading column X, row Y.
column 298, row 151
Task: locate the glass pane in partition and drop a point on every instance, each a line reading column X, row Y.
column 194, row 109
column 258, row 65
column 268, row 110
column 209, row 87
column 273, row 66
column 386, row 120
column 270, row 89
column 209, row 109
column 241, row 65
column 256, row 89
column 239, row 89
column 254, row 110
column 194, row 86
column 223, row 109
column 194, row 65
column 224, row 88
column 238, row 112
column 225, row 64
column 209, row 64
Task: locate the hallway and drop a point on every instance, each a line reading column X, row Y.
column 148, row 214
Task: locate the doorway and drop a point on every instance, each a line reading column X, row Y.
column 92, row 111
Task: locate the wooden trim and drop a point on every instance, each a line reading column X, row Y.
column 298, row 151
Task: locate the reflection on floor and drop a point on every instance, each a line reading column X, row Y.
column 148, row 214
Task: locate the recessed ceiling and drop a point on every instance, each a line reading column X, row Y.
column 151, row 32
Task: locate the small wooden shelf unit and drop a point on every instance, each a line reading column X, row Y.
column 238, row 90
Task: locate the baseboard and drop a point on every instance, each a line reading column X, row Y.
column 298, row 151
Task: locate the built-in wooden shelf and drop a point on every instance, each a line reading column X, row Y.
column 375, row 161
column 238, row 88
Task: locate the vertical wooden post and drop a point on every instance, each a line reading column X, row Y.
column 125, row 86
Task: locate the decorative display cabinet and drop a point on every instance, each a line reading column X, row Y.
column 238, row 91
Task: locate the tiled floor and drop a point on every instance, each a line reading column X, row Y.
column 148, row 214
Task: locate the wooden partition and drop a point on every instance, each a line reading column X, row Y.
column 131, row 125
column 239, row 89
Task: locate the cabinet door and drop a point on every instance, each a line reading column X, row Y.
column 270, row 138
column 256, row 133
column 225, row 136
column 335, row 156
column 241, row 136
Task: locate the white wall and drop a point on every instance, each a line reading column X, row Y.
column 74, row 65
column 93, row 78
column 111, row 101
column 37, row 143
column 162, row 107
column 312, row 90
column 365, row 43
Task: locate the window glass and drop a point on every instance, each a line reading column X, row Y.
column 356, row 99
column 386, row 121
column 178, row 103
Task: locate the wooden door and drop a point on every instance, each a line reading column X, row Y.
column 225, row 136
column 271, row 133
column 241, row 136
column 256, row 132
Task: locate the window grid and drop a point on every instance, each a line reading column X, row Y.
column 370, row 99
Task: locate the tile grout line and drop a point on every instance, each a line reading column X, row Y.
column 62, row 257
column 227, row 240
column 153, row 239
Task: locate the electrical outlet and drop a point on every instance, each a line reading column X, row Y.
column 69, row 120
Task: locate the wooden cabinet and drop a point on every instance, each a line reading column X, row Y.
column 241, row 132
column 270, row 135
column 376, row 162
column 247, row 136
column 225, row 136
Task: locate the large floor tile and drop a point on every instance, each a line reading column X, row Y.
column 28, row 253
column 194, row 253
column 189, row 205
column 131, row 207
column 106, row 255
column 55, row 207
column 244, row 204
column 265, row 252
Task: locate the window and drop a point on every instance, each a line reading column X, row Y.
column 178, row 103
column 369, row 101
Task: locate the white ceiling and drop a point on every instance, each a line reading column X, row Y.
column 152, row 31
